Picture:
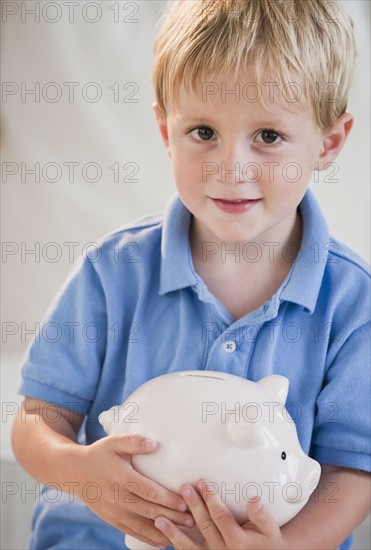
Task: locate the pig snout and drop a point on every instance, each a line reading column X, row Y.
column 309, row 474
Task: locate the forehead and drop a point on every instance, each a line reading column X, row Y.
column 241, row 93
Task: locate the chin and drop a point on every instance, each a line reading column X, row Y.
column 241, row 235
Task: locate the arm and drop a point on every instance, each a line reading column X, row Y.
column 340, row 502
column 44, row 441
column 338, row 505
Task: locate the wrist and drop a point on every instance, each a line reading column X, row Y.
column 65, row 466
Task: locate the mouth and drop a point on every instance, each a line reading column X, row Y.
column 235, row 201
column 235, row 206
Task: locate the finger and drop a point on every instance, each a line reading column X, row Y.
column 172, row 504
column 132, row 444
column 131, row 501
column 261, row 519
column 202, row 516
column 229, row 529
column 147, row 489
column 144, row 530
column 178, row 538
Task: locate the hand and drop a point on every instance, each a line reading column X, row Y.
column 218, row 527
column 127, row 500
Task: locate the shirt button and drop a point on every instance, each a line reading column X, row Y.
column 230, row 346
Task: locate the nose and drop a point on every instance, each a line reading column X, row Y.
column 232, row 164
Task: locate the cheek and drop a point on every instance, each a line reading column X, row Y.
column 287, row 177
column 188, row 170
column 308, row 161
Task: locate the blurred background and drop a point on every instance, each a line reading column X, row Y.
column 82, row 156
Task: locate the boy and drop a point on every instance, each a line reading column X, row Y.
column 239, row 274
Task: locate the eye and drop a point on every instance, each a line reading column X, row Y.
column 283, row 455
column 204, row 133
column 269, row 137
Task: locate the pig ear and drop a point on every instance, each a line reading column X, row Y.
column 244, row 433
column 277, row 385
column 108, row 418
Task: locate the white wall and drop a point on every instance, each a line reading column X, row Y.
column 36, row 214
column 105, row 132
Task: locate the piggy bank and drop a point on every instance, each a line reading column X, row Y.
column 230, row 431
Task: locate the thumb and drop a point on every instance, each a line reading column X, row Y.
column 134, row 444
column 259, row 516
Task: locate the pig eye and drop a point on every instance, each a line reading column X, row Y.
column 283, row 455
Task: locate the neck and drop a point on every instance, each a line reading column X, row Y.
column 259, row 254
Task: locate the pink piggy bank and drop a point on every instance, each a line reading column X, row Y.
column 235, row 433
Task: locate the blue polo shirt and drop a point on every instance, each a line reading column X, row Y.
column 134, row 308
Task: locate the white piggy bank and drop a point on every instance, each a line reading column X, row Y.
column 230, row 431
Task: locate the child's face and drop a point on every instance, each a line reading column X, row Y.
column 221, row 149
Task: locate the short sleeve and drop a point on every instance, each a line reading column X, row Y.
column 342, row 425
column 64, row 361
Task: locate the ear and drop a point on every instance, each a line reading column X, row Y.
column 244, row 433
column 162, row 124
column 277, row 385
column 333, row 142
column 108, row 418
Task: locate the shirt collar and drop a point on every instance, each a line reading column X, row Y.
column 176, row 261
column 301, row 285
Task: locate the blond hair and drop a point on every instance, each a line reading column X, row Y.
column 310, row 41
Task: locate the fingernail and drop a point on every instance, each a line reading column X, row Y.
column 181, row 506
column 186, row 491
column 189, row 522
column 259, row 504
column 160, row 523
column 202, row 484
column 149, row 443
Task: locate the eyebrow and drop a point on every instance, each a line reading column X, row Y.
column 264, row 122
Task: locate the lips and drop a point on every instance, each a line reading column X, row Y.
column 236, row 206
column 235, row 201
